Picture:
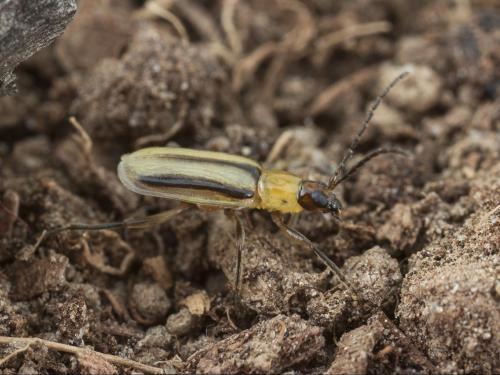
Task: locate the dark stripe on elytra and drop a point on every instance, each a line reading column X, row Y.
column 253, row 170
column 198, row 183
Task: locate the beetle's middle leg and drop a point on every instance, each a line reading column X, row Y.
column 241, row 237
column 299, row 237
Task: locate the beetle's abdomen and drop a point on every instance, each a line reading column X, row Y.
column 193, row 176
column 278, row 191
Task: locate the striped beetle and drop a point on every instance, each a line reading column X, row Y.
column 225, row 181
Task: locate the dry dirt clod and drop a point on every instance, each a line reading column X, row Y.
column 85, row 43
column 155, row 348
column 73, row 320
column 374, row 275
column 476, row 150
column 391, row 124
column 420, row 92
column 181, row 323
column 30, row 155
column 268, row 347
column 198, row 303
column 190, row 234
column 387, row 180
column 157, row 268
column 354, row 350
column 402, row 228
column 448, row 307
column 78, row 157
column 157, row 336
column 149, row 302
column 94, row 365
column 330, row 310
column 373, row 347
column 30, row 279
column 449, row 190
column 158, row 85
column 272, row 277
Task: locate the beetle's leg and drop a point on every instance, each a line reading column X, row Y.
column 241, row 236
column 240, row 232
column 142, row 222
column 299, row 237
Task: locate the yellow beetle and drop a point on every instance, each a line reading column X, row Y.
column 220, row 180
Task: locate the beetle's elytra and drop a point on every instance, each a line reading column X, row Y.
column 220, row 180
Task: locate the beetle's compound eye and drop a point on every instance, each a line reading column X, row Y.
column 312, row 196
column 334, row 206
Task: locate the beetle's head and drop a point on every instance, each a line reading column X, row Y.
column 314, row 196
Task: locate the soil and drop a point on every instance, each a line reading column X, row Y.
column 287, row 83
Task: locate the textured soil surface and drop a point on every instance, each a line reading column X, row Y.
column 287, row 83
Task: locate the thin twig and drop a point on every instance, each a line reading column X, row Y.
column 199, row 18
column 28, row 341
column 85, row 141
column 279, row 145
column 10, row 205
column 97, row 262
column 29, row 250
column 297, row 39
column 355, row 31
column 245, row 68
column 326, row 43
column 328, row 96
column 282, row 53
column 15, row 353
column 117, row 305
column 291, row 47
column 230, row 29
column 159, row 11
column 162, row 138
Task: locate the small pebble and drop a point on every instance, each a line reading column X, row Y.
column 180, row 323
column 418, row 92
column 158, row 337
column 150, row 301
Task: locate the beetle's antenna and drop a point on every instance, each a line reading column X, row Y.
column 367, row 158
column 340, row 173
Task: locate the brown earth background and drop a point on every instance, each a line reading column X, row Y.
column 287, row 83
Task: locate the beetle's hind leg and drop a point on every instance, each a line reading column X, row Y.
column 299, row 237
column 142, row 222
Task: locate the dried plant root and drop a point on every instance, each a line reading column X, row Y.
column 28, row 341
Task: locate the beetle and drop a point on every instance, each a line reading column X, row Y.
column 225, row 181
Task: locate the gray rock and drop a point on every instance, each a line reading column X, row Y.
column 27, row 26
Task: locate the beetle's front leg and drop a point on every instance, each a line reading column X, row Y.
column 300, row 238
column 241, row 236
